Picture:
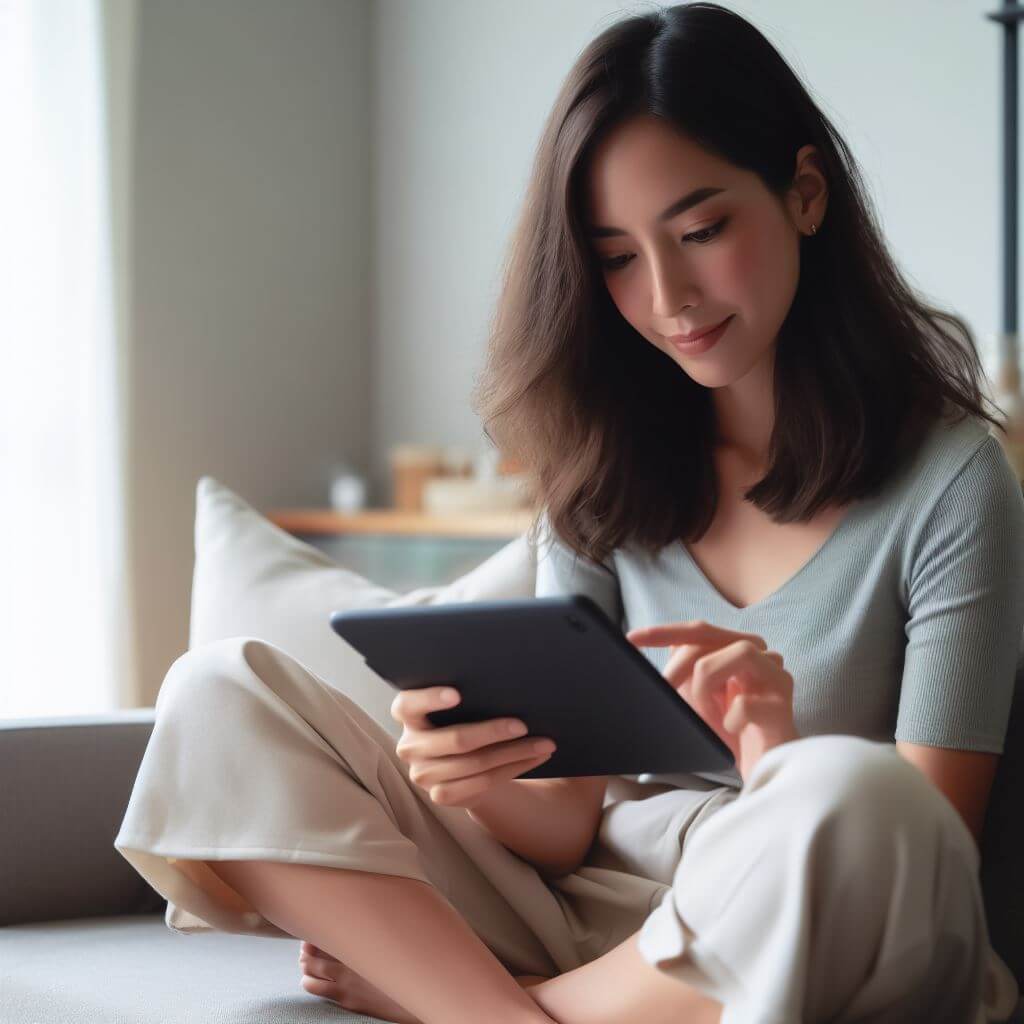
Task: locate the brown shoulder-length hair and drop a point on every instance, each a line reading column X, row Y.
column 615, row 440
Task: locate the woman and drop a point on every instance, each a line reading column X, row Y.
column 802, row 518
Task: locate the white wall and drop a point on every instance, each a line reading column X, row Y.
column 323, row 192
column 250, row 273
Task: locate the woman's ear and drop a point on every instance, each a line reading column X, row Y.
column 808, row 197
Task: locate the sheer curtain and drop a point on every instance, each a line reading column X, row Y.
column 64, row 631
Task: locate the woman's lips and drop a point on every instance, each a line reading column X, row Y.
column 704, row 341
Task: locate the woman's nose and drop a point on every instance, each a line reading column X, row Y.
column 670, row 291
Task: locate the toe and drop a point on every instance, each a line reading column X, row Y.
column 314, row 968
column 321, row 988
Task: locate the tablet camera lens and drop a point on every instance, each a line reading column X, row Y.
column 576, row 624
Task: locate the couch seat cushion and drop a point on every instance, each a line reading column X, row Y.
column 135, row 970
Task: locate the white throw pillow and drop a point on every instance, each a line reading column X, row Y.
column 251, row 578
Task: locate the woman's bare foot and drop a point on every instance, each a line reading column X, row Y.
column 327, row 977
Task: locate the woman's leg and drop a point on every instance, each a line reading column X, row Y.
column 253, row 757
column 406, row 940
column 616, row 987
column 258, row 767
column 839, row 886
column 620, row 987
column 400, row 934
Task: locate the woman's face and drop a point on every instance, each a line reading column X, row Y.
column 734, row 254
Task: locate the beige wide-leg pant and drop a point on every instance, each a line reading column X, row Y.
column 839, row 885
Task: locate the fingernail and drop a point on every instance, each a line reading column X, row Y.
column 449, row 696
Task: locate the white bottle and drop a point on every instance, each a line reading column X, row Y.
column 348, row 491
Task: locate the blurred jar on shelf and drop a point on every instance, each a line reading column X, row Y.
column 496, row 485
column 412, row 465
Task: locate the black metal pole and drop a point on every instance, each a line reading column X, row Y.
column 1010, row 15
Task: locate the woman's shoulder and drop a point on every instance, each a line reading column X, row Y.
column 961, row 491
column 947, row 446
column 955, row 440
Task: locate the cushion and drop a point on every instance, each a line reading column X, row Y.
column 252, row 578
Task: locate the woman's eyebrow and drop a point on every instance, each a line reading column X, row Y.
column 678, row 207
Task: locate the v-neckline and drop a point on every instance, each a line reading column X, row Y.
column 737, row 609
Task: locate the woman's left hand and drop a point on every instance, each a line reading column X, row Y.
column 732, row 681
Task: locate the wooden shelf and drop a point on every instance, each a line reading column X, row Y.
column 394, row 522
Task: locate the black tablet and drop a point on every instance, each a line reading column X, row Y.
column 557, row 663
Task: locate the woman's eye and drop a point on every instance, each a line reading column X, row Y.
column 614, row 264
column 711, row 232
column 701, row 237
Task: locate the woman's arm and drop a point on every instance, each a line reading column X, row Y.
column 551, row 823
column 964, row 777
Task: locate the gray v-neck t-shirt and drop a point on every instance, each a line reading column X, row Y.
column 905, row 624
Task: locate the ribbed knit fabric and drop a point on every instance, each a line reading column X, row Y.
column 904, row 625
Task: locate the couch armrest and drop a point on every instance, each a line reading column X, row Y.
column 67, row 781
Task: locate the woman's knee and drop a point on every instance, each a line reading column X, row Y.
column 210, row 675
column 836, row 814
column 836, row 767
column 865, row 784
column 249, row 682
column 838, row 854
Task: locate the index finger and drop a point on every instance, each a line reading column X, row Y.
column 691, row 632
column 410, row 707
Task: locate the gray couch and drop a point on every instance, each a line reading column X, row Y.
column 84, row 939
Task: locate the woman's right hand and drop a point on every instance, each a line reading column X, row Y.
column 458, row 765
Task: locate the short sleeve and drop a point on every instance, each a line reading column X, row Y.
column 562, row 571
column 966, row 610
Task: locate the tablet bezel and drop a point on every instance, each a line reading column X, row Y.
column 412, row 647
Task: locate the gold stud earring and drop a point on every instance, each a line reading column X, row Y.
column 814, row 229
